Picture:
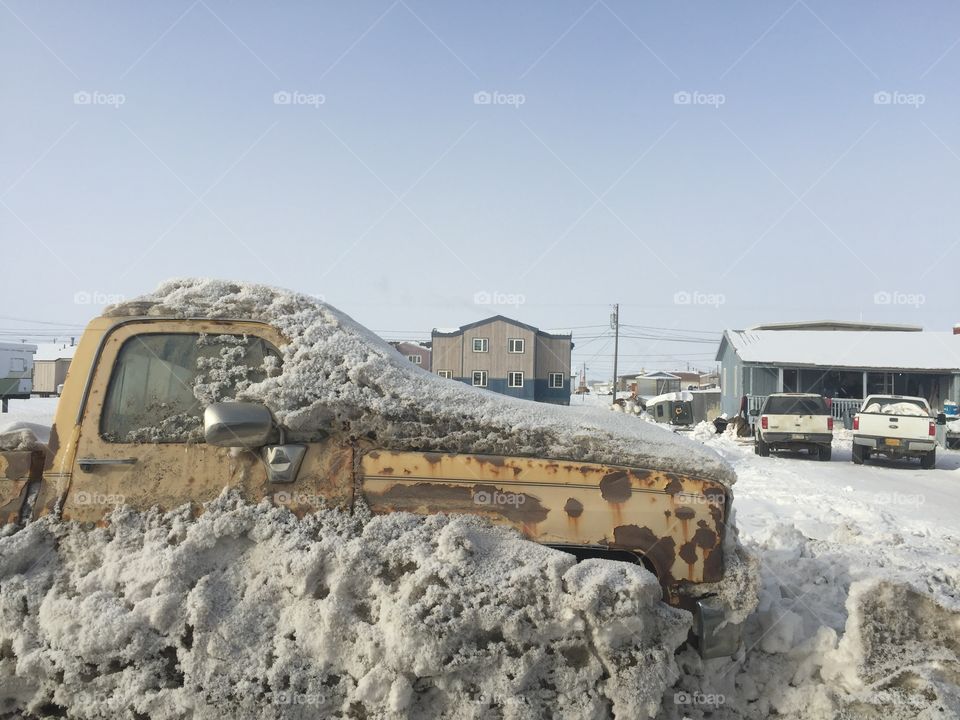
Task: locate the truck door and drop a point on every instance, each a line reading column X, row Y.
column 141, row 428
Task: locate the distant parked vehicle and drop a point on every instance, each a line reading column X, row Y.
column 897, row 426
column 675, row 408
column 952, row 412
column 16, row 372
column 794, row 421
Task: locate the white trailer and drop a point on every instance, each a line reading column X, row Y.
column 16, row 372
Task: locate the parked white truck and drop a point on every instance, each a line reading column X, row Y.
column 794, row 421
column 898, row 426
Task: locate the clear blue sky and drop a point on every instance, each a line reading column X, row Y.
column 784, row 188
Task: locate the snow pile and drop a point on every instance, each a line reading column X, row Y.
column 24, row 436
column 247, row 612
column 859, row 612
column 338, row 377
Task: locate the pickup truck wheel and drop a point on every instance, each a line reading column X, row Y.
column 761, row 448
column 859, row 454
column 929, row 460
column 825, row 453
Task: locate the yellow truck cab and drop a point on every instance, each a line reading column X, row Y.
column 136, row 425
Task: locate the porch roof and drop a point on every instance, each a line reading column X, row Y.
column 921, row 351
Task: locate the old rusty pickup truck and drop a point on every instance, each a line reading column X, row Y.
column 131, row 428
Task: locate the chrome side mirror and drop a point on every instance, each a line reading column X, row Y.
column 237, row 424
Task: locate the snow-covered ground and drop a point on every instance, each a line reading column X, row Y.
column 859, row 614
column 35, row 410
column 860, row 607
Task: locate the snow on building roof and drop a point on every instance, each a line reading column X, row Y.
column 661, row 375
column 837, row 325
column 54, row 351
column 847, row 348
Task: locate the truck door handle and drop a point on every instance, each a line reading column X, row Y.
column 87, row 464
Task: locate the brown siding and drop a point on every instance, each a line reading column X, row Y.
column 553, row 355
column 447, row 354
column 497, row 361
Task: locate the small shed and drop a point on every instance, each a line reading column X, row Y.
column 50, row 365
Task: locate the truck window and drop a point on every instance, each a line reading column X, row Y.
column 162, row 382
column 795, row 406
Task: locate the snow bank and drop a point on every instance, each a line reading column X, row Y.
column 247, row 612
column 339, row 377
column 859, row 598
column 24, row 436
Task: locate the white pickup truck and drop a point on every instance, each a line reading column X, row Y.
column 898, row 426
column 794, row 421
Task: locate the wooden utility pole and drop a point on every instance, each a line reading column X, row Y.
column 615, row 325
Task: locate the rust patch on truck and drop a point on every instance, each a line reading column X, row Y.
column 480, row 499
column 573, row 508
column 685, row 513
column 615, row 487
column 661, row 551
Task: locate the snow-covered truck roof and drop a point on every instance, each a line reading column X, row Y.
column 337, row 376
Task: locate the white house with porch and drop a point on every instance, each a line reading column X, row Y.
column 843, row 361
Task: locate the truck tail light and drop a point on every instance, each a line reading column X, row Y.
column 856, row 422
column 933, row 429
column 830, row 423
column 763, row 422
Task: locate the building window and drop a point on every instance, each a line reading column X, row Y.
column 480, row 378
column 18, row 365
column 515, row 379
column 515, row 345
column 415, row 359
column 556, row 380
column 445, row 373
column 481, row 345
column 659, row 410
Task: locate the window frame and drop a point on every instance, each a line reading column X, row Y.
column 415, row 359
column 523, row 346
column 510, row 375
column 551, row 376
column 483, row 378
column 445, row 374
column 484, row 344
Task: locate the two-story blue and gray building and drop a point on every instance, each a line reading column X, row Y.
column 508, row 357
